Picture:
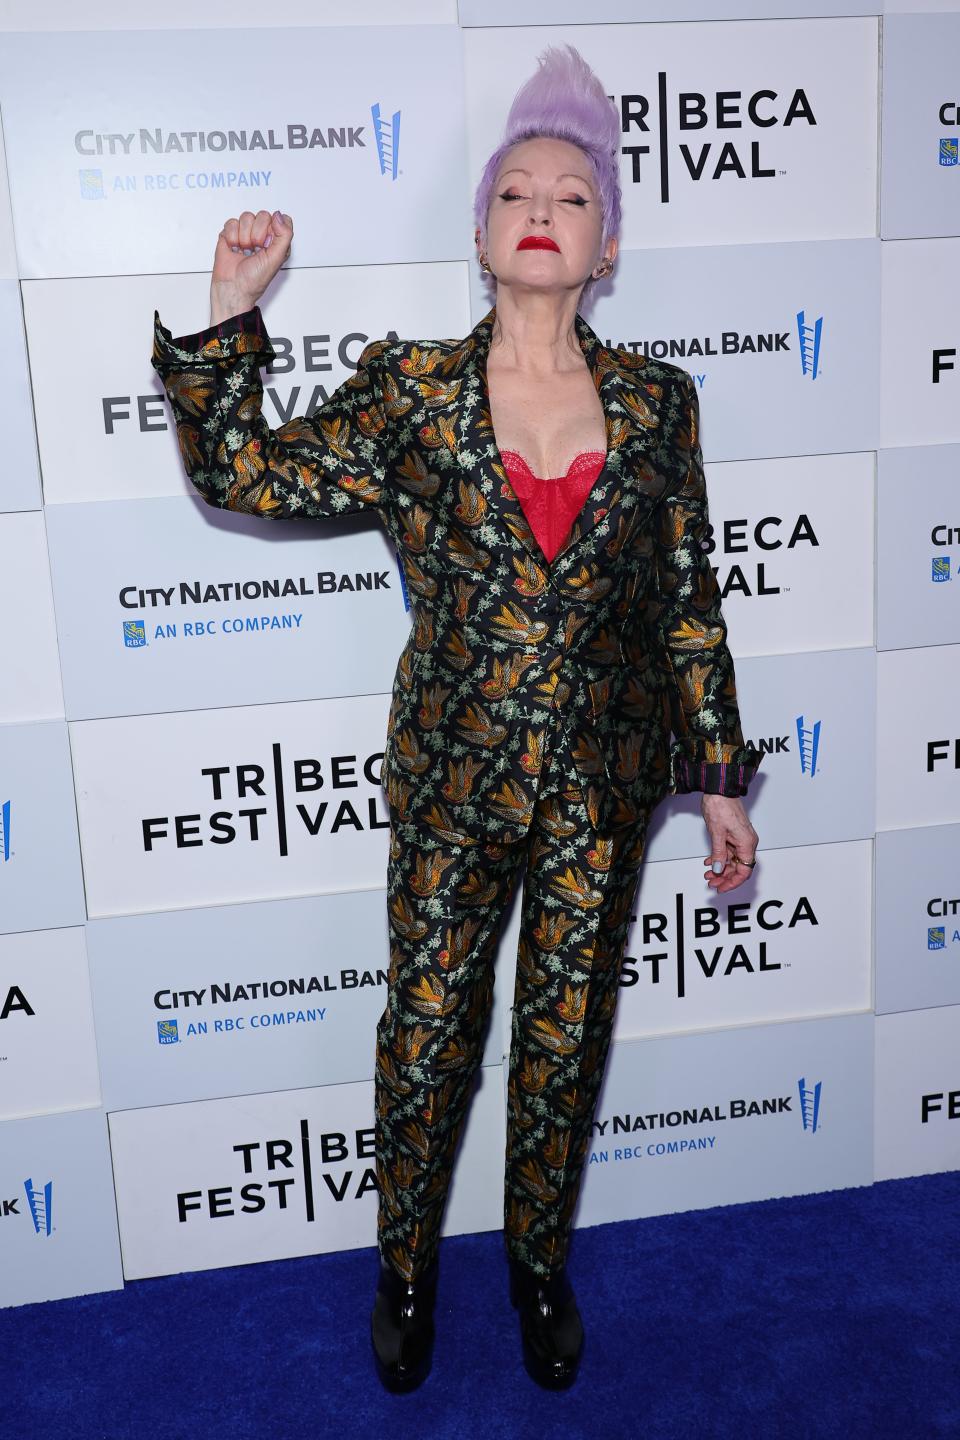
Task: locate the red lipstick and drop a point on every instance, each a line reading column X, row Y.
column 538, row 242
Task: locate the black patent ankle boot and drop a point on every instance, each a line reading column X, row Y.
column 401, row 1326
column 550, row 1325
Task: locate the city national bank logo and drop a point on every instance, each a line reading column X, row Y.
column 180, row 158
column 214, row 597
column 386, row 133
column 656, row 1121
column 810, row 1104
column 809, row 333
column 5, row 850
column 271, row 1175
column 249, row 803
column 714, row 942
column 40, row 1203
column 226, row 993
column 808, row 745
column 940, row 568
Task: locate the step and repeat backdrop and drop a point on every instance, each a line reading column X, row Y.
column 193, row 837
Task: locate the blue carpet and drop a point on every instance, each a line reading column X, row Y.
column 823, row 1315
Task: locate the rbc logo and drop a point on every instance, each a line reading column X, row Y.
column 940, row 568
column 167, row 1032
column 810, row 1104
column 134, row 634
column 91, row 184
column 809, row 336
column 387, row 135
column 936, row 937
column 948, row 150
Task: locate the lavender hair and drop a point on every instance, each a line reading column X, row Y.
column 565, row 100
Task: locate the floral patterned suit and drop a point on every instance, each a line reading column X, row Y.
column 530, row 724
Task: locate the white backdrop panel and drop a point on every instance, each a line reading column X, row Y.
column 61, row 1239
column 48, row 1053
column 918, row 546
column 290, row 804
column 920, row 191
column 20, row 479
column 792, row 545
column 100, row 187
column 917, row 1112
column 918, row 737
column 312, row 1191
column 605, row 12
column 41, row 883
column 162, row 608
column 814, row 716
column 30, row 686
column 709, row 155
column 814, row 391
column 920, row 317
column 113, row 408
column 201, row 1004
column 918, row 918
column 791, row 945
column 747, row 1114
column 184, row 14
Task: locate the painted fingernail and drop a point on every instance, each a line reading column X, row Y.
column 268, row 242
column 718, row 866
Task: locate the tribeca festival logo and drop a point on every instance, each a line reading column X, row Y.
column 280, row 1174
column 40, row 1202
column 809, row 1104
column 714, row 941
column 5, row 850
column 175, row 146
column 240, row 788
column 756, row 114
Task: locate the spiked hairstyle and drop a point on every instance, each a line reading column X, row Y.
column 565, row 100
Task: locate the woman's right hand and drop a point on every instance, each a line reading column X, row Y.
column 238, row 280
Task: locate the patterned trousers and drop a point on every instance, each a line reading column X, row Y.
column 446, row 904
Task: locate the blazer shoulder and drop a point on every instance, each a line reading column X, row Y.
column 391, row 351
column 651, row 370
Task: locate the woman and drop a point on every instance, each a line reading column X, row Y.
column 563, row 626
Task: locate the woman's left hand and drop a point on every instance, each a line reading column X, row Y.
column 731, row 834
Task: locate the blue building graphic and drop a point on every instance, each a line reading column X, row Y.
column 808, row 745
column 5, row 830
column 387, row 135
column 809, row 335
column 809, row 1104
column 40, row 1201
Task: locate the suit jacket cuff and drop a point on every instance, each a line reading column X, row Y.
column 243, row 334
column 730, row 774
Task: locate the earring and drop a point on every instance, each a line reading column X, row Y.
column 483, row 263
column 604, row 268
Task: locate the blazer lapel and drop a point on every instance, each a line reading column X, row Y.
column 463, row 421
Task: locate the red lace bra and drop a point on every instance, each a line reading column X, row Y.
column 551, row 505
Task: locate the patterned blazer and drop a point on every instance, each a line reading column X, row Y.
column 620, row 641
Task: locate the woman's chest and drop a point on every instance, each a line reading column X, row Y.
column 549, row 422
